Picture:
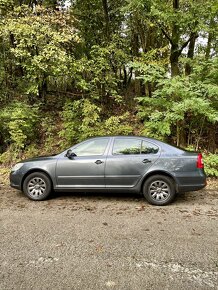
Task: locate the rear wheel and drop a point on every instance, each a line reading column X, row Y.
column 159, row 190
column 37, row 186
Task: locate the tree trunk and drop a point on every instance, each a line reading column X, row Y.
column 43, row 88
column 174, row 61
column 107, row 19
column 150, row 39
column 190, row 54
column 175, row 52
column 209, row 40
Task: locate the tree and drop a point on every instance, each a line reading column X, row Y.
column 108, row 66
column 36, row 49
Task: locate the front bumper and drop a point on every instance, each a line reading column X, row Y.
column 16, row 179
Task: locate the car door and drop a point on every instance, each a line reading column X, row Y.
column 128, row 160
column 86, row 169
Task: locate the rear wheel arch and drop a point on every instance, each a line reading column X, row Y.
column 159, row 172
column 159, row 189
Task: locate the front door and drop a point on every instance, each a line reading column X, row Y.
column 86, row 169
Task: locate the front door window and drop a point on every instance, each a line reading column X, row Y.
column 91, row 147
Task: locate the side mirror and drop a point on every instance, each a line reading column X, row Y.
column 70, row 154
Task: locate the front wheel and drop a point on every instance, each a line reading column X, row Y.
column 37, row 186
column 159, row 190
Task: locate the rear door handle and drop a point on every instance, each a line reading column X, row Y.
column 146, row 161
column 98, row 162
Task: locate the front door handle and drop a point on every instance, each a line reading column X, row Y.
column 98, row 162
column 146, row 161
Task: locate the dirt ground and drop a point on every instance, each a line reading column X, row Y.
column 108, row 241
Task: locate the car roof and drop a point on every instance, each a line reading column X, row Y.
column 122, row 136
column 164, row 146
column 126, row 136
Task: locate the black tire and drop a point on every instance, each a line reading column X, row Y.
column 159, row 190
column 37, row 186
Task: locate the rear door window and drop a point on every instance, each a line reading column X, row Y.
column 148, row 148
column 126, row 146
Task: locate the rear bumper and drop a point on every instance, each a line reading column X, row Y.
column 194, row 187
column 191, row 182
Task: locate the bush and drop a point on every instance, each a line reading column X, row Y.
column 117, row 125
column 211, row 164
column 18, row 124
column 81, row 120
column 11, row 156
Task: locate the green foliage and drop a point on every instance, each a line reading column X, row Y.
column 171, row 102
column 107, row 67
column 31, row 151
column 81, row 119
column 179, row 103
column 117, row 125
column 49, row 131
column 97, row 76
column 211, row 164
column 5, row 5
column 36, row 44
column 10, row 156
column 95, row 27
column 18, row 123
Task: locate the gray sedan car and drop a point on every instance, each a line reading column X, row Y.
column 119, row 163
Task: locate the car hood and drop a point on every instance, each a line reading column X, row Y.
column 40, row 158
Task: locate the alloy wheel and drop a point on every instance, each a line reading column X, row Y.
column 159, row 190
column 36, row 186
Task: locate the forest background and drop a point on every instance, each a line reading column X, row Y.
column 70, row 70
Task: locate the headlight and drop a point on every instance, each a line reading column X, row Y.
column 17, row 166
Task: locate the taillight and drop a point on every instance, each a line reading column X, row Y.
column 200, row 163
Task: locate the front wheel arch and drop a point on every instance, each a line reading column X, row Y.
column 37, row 186
column 34, row 171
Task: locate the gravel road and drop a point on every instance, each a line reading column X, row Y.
column 108, row 241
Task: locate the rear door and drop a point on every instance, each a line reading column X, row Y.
column 128, row 160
